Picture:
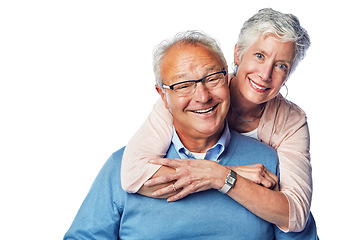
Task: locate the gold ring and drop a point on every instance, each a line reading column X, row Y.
column 173, row 185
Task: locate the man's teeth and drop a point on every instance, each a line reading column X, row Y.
column 205, row 110
column 256, row 86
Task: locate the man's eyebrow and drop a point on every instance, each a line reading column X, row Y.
column 179, row 76
column 212, row 68
column 184, row 76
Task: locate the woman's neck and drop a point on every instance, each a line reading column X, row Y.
column 241, row 105
column 244, row 116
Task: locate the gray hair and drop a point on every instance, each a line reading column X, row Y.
column 285, row 26
column 192, row 37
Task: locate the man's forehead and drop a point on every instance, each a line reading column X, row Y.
column 186, row 62
column 183, row 52
column 199, row 71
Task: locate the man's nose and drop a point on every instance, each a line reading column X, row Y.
column 201, row 94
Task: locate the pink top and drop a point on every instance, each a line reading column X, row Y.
column 283, row 126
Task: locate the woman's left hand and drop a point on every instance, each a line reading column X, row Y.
column 191, row 176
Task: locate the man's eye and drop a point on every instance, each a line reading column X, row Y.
column 214, row 79
column 183, row 86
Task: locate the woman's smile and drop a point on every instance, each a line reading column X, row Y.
column 258, row 87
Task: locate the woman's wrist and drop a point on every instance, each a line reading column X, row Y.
column 221, row 174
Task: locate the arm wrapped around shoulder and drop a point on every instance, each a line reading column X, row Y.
column 152, row 140
column 284, row 127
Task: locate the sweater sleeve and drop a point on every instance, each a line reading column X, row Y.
column 152, row 140
column 284, row 127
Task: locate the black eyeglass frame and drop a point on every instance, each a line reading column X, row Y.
column 223, row 71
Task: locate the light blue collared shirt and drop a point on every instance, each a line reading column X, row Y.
column 212, row 153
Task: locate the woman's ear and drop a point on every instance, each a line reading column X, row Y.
column 236, row 55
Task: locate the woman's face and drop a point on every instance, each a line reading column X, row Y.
column 263, row 68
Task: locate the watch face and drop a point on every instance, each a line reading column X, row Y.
column 231, row 180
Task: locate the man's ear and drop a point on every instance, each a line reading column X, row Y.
column 227, row 75
column 162, row 94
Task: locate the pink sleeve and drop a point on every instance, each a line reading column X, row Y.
column 152, row 140
column 296, row 178
column 284, row 127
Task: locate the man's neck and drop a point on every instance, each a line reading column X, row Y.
column 199, row 143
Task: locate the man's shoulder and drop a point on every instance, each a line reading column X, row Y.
column 239, row 141
column 112, row 167
column 244, row 150
column 118, row 155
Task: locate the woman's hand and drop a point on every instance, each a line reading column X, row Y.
column 191, row 175
column 195, row 175
column 258, row 174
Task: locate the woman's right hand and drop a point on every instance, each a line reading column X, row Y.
column 184, row 177
column 258, row 174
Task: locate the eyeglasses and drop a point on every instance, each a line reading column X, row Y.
column 210, row 81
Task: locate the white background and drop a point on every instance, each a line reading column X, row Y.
column 76, row 82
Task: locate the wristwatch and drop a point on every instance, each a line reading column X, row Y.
column 229, row 182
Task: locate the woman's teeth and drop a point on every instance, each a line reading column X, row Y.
column 256, row 86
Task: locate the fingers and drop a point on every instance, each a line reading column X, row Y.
column 258, row 174
column 272, row 178
column 268, row 179
column 182, row 187
column 176, row 191
column 166, row 191
column 187, row 190
column 181, row 194
column 161, row 180
column 179, row 166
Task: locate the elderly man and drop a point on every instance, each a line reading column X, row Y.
column 199, row 108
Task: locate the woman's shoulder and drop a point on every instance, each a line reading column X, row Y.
column 280, row 105
column 281, row 119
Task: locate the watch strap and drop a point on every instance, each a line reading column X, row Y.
column 225, row 188
column 229, row 182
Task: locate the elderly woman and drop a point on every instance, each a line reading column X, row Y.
column 269, row 47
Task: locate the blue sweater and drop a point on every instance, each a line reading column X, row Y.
column 108, row 212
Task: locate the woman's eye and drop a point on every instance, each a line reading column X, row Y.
column 259, row 55
column 282, row 67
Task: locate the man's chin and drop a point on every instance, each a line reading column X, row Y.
column 209, row 130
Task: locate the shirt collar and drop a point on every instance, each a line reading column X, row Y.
column 212, row 153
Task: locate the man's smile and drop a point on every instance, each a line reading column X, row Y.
column 204, row 111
